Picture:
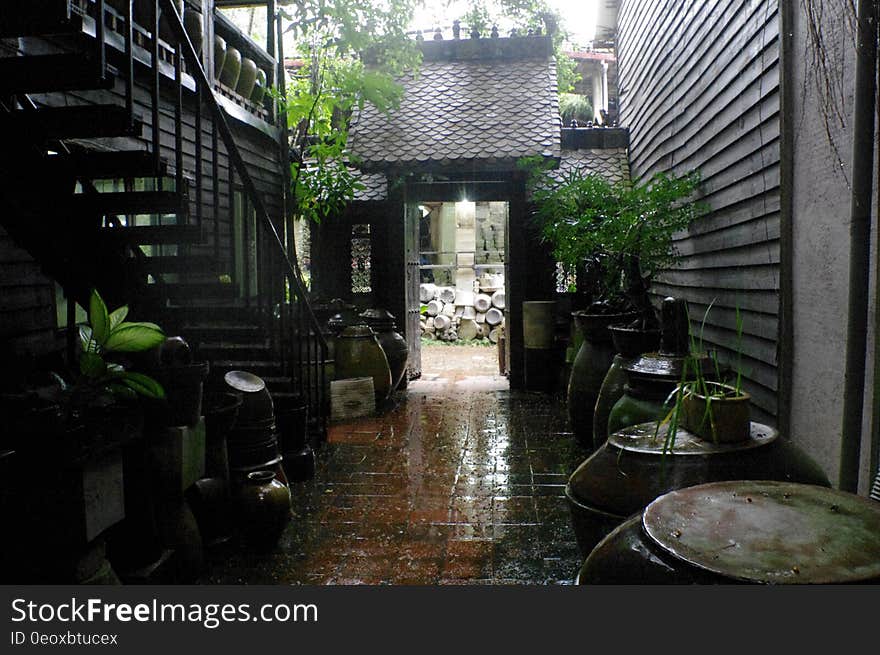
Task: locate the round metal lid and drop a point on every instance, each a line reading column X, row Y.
column 640, row 439
column 769, row 532
column 244, row 381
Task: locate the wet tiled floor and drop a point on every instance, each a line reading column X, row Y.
column 461, row 482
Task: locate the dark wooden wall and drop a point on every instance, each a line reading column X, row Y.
column 699, row 89
column 27, row 303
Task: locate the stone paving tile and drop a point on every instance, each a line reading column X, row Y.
column 460, row 482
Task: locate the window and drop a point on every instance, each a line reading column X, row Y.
column 361, row 247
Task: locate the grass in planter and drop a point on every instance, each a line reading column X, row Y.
column 698, row 385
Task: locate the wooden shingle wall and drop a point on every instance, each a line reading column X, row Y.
column 699, row 88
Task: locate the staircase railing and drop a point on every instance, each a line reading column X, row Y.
column 281, row 298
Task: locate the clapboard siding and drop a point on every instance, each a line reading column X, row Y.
column 27, row 301
column 699, row 87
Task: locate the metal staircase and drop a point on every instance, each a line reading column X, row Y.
column 98, row 194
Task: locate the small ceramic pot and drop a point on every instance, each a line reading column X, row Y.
column 259, row 87
column 193, row 21
column 231, row 67
column 262, row 506
column 246, row 78
column 720, row 419
column 219, row 55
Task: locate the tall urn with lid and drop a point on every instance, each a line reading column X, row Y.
column 393, row 344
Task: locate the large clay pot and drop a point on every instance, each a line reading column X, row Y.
column 262, row 508
column 632, row 468
column 231, row 67
column 219, row 55
column 610, row 392
column 393, row 344
column 359, row 355
column 588, row 371
column 247, row 77
column 539, row 324
column 772, row 533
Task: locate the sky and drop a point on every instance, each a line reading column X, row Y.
column 579, row 15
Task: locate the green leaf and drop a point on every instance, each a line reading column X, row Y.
column 122, row 391
column 85, row 338
column 142, row 384
column 98, row 318
column 92, row 365
column 117, row 316
column 134, row 337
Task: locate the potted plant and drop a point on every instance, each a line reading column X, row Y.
column 616, row 236
column 717, row 411
column 72, row 429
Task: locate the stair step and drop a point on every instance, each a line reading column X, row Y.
column 57, row 72
column 175, row 264
column 77, row 121
column 204, row 290
column 130, row 202
column 153, row 234
column 106, row 164
column 236, row 351
column 259, row 368
column 200, row 314
column 37, row 17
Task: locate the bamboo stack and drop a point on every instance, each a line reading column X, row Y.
column 450, row 314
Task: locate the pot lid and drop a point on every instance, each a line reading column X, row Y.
column 380, row 318
column 343, row 319
column 769, row 532
column 244, row 381
column 377, row 315
column 640, row 439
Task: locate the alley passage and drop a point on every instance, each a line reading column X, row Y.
column 461, row 483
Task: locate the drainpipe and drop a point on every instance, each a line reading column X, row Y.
column 860, row 236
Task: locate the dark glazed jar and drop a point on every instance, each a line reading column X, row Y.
column 359, row 355
column 773, row 532
column 262, row 506
column 630, row 470
column 589, row 369
column 393, row 344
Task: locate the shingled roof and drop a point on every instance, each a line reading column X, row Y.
column 611, row 163
column 488, row 101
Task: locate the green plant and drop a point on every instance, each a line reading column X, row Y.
column 574, row 106
column 693, row 383
column 352, row 54
column 617, row 235
column 106, row 334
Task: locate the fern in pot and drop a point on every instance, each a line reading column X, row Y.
column 616, row 236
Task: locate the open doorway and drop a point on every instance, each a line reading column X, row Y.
column 461, row 292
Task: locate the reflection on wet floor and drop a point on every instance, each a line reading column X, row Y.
column 460, row 483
